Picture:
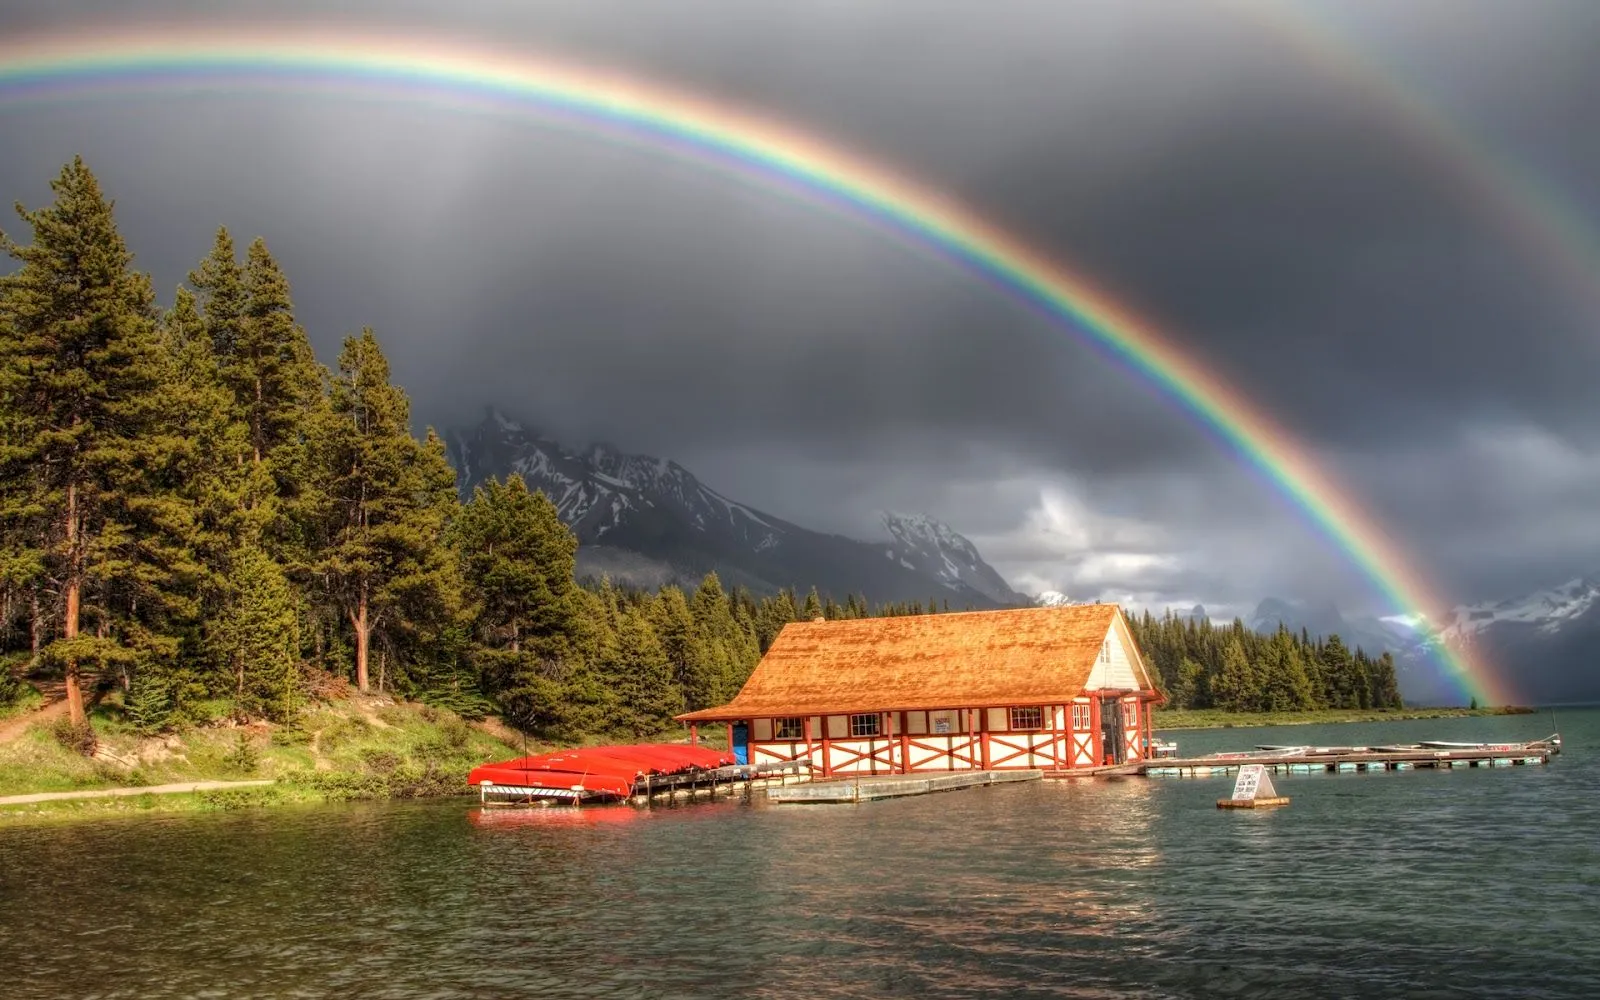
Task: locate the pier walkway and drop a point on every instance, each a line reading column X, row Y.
column 866, row 787
column 1355, row 760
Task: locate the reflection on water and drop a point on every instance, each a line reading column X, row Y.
column 1482, row 883
column 538, row 816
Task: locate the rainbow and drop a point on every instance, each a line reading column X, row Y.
column 1523, row 205
column 79, row 63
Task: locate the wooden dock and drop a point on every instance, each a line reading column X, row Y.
column 1371, row 760
column 867, row 787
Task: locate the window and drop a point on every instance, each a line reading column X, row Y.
column 864, row 725
column 1080, row 718
column 1130, row 715
column 1105, row 651
column 1027, row 717
column 788, row 729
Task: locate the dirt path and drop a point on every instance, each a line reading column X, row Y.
column 13, row 727
column 106, row 793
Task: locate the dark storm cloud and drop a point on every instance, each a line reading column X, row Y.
column 1274, row 219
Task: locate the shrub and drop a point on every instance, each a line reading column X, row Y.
column 381, row 761
column 290, row 736
column 77, row 738
column 244, row 757
column 240, row 798
column 10, row 687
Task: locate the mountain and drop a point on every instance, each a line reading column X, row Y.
column 649, row 521
column 1544, row 641
column 1052, row 599
column 1420, row 683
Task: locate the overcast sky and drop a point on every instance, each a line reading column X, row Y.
column 1279, row 217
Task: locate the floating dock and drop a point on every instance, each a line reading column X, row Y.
column 867, row 787
column 1359, row 759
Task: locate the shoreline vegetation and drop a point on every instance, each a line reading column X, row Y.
column 1177, row 720
column 358, row 747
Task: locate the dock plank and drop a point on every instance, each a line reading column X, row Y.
column 866, row 788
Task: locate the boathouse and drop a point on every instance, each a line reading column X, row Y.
column 1047, row 688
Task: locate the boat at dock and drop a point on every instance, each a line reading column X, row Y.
column 587, row 774
column 1551, row 743
column 618, row 773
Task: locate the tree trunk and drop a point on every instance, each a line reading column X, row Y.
column 363, row 639
column 69, row 626
column 383, row 661
column 35, row 630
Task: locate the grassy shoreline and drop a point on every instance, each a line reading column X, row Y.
column 1206, row 718
column 353, row 748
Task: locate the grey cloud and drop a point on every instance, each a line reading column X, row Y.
column 1268, row 215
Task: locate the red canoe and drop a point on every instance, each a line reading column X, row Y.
column 602, row 771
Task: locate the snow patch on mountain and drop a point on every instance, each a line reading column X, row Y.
column 1051, row 599
column 1547, row 611
column 930, row 546
column 673, row 523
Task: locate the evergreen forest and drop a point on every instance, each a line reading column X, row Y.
column 194, row 508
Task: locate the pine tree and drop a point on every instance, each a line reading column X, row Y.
column 79, row 362
column 1234, row 687
column 259, row 635
column 647, row 698
column 683, row 645
column 272, row 370
column 383, row 519
column 518, row 558
column 813, row 608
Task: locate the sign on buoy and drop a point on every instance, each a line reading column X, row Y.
column 1253, row 790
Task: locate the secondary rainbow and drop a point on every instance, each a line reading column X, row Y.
column 1525, row 206
column 66, row 65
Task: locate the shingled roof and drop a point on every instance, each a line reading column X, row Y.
column 1030, row 656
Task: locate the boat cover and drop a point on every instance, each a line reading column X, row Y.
column 604, row 770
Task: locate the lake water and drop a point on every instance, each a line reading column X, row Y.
column 1462, row 883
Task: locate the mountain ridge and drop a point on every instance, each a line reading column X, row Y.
column 650, row 521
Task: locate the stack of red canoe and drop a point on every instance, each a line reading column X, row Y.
column 604, row 771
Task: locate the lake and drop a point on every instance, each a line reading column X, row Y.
column 1460, row 883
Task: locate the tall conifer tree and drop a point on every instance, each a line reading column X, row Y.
column 79, row 358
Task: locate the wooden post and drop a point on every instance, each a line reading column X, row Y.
column 694, row 734
column 984, row 736
column 827, row 758
column 1097, row 751
column 905, row 746
column 805, row 729
column 1055, row 737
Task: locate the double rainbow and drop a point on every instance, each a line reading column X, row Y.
column 87, row 63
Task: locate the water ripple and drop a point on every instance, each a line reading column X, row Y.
column 1479, row 884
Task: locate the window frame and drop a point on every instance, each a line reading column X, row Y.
column 789, row 728
column 1037, row 715
column 857, row 728
column 1082, row 720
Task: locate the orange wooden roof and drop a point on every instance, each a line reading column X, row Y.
column 1029, row 656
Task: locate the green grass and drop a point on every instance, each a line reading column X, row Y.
column 27, row 702
column 356, row 748
column 1209, row 718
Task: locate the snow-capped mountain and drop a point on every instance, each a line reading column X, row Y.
column 650, row 521
column 934, row 548
column 1543, row 642
column 1547, row 612
column 1052, row 599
